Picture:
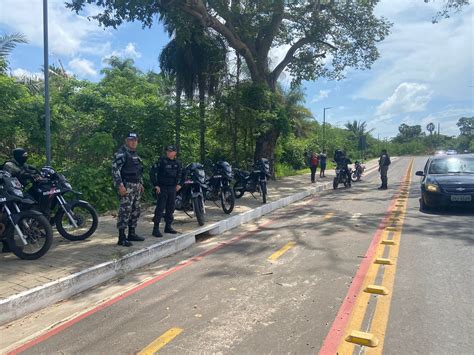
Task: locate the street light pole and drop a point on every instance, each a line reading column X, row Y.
column 324, row 126
column 47, row 116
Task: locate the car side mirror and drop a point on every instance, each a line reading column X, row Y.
column 420, row 173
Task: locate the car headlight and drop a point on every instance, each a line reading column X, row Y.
column 432, row 187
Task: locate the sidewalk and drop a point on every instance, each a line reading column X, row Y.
column 70, row 261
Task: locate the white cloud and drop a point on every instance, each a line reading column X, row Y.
column 407, row 97
column 129, row 51
column 82, row 67
column 23, row 73
column 440, row 55
column 69, row 34
column 323, row 94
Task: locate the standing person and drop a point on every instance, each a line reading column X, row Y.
column 313, row 165
column 127, row 171
column 384, row 162
column 165, row 175
column 322, row 163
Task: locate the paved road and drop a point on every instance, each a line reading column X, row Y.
column 278, row 285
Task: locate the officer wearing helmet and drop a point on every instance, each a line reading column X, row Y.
column 166, row 175
column 18, row 168
column 127, row 173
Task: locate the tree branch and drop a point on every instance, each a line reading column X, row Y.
column 198, row 10
column 288, row 58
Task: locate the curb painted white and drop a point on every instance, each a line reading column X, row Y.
column 19, row 305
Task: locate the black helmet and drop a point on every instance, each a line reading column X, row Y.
column 20, row 155
column 171, row 148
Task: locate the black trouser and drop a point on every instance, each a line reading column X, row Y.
column 313, row 172
column 384, row 176
column 166, row 199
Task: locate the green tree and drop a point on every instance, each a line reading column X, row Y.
column 466, row 126
column 7, row 43
column 324, row 38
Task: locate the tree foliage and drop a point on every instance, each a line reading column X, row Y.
column 321, row 39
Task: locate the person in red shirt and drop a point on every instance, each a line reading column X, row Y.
column 313, row 165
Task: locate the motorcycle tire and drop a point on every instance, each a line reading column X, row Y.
column 263, row 190
column 62, row 217
column 198, row 208
column 239, row 189
column 35, row 227
column 335, row 182
column 355, row 177
column 229, row 207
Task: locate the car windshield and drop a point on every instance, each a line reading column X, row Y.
column 452, row 166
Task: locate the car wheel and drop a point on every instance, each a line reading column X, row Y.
column 424, row 207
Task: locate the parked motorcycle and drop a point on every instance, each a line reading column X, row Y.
column 359, row 169
column 191, row 196
column 254, row 181
column 341, row 178
column 26, row 233
column 74, row 220
column 219, row 186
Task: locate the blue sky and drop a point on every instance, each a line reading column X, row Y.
column 425, row 73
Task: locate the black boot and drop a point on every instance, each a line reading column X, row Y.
column 156, row 231
column 169, row 229
column 123, row 239
column 133, row 236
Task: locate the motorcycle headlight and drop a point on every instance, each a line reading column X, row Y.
column 16, row 183
column 18, row 192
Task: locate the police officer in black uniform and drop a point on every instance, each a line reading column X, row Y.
column 127, row 173
column 165, row 175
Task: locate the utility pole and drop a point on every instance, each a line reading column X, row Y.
column 47, row 115
column 324, row 126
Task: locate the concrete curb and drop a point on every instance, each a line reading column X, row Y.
column 29, row 301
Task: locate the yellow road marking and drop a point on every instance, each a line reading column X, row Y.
column 328, row 215
column 161, row 341
column 373, row 339
column 282, row 251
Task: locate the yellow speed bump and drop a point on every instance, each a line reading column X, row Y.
column 378, row 290
column 392, row 229
column 383, row 261
column 362, row 338
column 388, row 242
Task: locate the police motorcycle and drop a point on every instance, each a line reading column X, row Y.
column 74, row 220
column 219, row 188
column 253, row 181
column 359, row 169
column 26, row 233
column 341, row 177
column 192, row 193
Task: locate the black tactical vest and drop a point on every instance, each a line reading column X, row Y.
column 168, row 172
column 132, row 169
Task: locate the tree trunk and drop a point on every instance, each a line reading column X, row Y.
column 202, row 120
column 265, row 147
column 236, row 115
column 179, row 90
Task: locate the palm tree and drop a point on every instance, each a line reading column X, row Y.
column 358, row 128
column 197, row 62
column 299, row 116
column 7, row 44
